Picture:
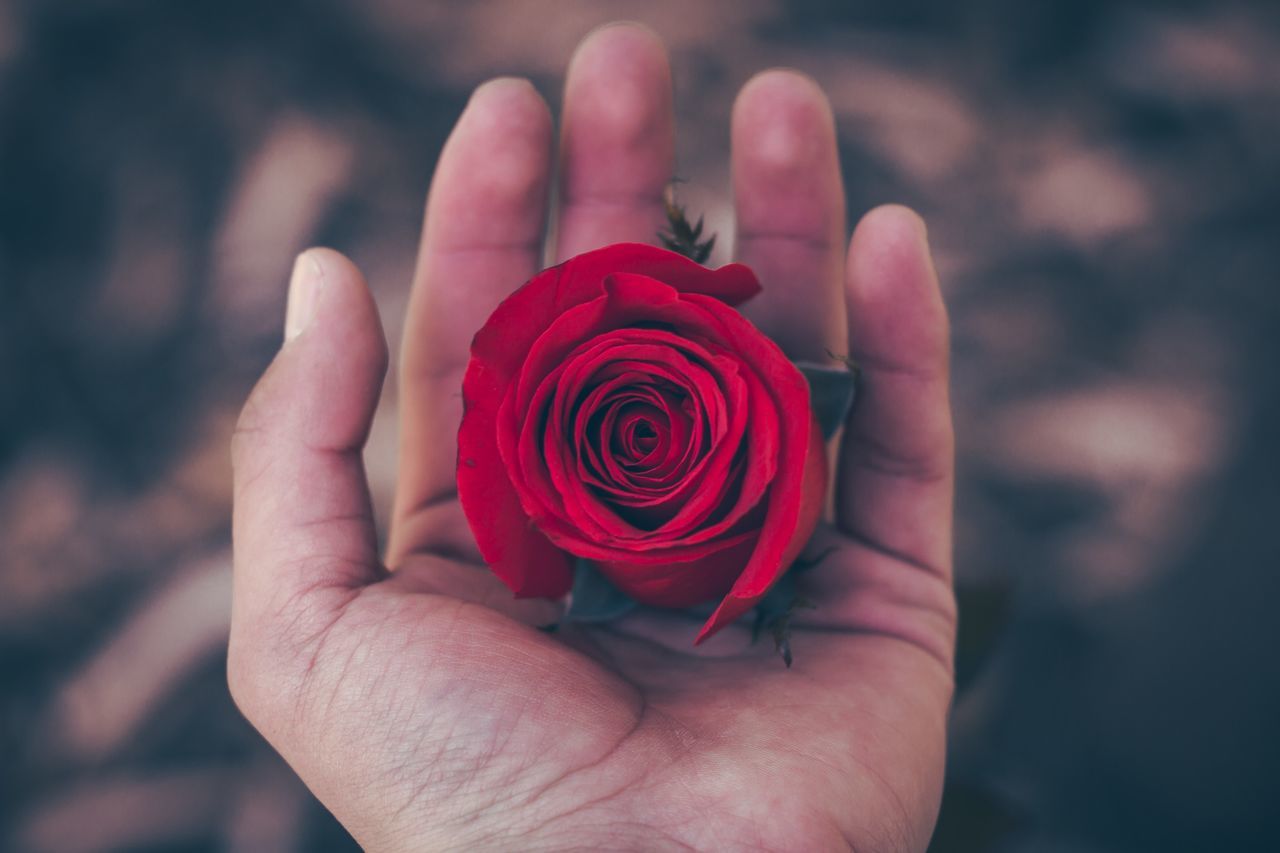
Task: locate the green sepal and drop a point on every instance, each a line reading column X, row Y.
column 831, row 393
column 594, row 598
column 778, row 607
column 681, row 236
column 774, row 613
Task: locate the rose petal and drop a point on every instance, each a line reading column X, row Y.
column 731, row 284
column 561, row 492
column 521, row 322
column 504, row 340
column 692, row 501
column 772, row 557
column 702, row 388
column 683, row 584
column 521, row 556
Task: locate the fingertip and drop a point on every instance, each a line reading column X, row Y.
column 786, row 166
column 499, row 154
column 617, row 140
column 892, row 285
column 620, row 77
column 619, row 41
column 790, row 211
column 894, row 223
column 346, row 310
column 505, row 85
column 785, row 82
column 511, row 104
column 324, row 383
column 783, row 126
column 334, row 265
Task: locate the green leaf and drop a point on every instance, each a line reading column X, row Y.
column 594, row 598
column 831, row 393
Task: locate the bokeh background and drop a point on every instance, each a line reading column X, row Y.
column 1102, row 183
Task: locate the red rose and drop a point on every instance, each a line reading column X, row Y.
column 620, row 410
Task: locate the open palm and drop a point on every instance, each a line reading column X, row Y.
column 422, row 705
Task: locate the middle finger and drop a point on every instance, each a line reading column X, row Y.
column 789, row 201
column 617, row 143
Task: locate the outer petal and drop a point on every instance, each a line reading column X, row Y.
column 517, row 322
column 763, row 571
column 518, row 553
column 636, row 299
column 732, row 284
column 683, row 584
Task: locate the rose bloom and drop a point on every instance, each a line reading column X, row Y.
column 619, row 409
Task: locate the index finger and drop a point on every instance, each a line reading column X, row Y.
column 482, row 238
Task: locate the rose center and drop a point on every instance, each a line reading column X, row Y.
column 644, row 438
column 638, row 433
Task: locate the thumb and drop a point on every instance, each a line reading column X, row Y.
column 302, row 526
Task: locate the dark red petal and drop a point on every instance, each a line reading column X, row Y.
column 660, row 303
column 679, row 362
column 731, row 284
column 504, row 340
column 754, row 438
column 667, row 357
column 599, row 467
column 521, row 453
column 703, row 390
column 683, row 584
column 636, row 298
column 775, row 553
column 633, row 299
column 519, row 555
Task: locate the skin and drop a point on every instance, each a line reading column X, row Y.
column 414, row 696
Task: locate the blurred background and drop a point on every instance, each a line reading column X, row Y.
column 1102, row 183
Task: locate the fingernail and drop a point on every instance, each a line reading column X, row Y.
column 304, row 295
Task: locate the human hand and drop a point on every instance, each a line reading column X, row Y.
column 422, row 705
